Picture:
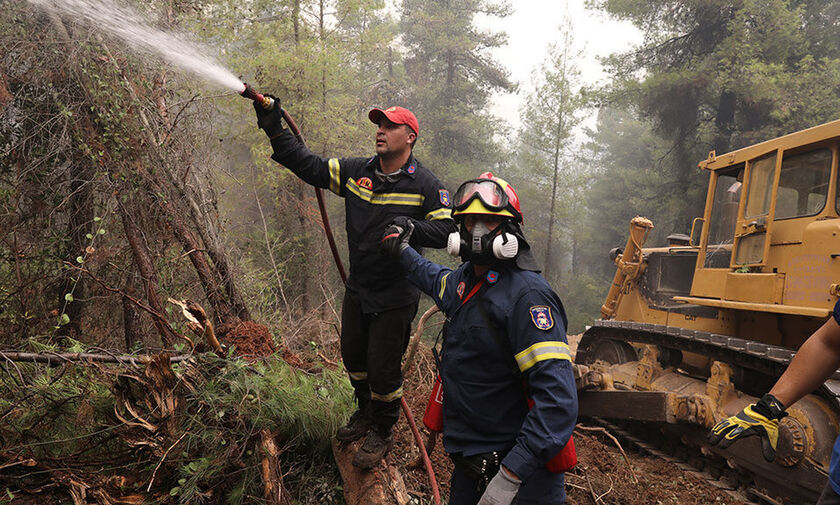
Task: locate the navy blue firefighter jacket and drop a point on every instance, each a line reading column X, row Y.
column 484, row 378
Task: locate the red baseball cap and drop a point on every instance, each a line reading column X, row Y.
column 396, row 115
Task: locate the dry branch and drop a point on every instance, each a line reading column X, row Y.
column 608, row 434
column 145, row 265
column 167, row 334
column 55, row 358
column 199, row 322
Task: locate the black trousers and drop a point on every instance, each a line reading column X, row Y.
column 542, row 488
column 372, row 346
column 828, row 496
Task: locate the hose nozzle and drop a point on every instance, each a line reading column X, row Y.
column 266, row 102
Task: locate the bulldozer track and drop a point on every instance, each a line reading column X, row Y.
column 749, row 495
column 763, row 358
column 720, row 471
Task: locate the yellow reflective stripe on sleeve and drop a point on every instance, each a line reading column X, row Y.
column 410, row 199
column 335, row 175
column 393, row 395
column 443, row 285
column 442, row 213
column 357, row 376
column 542, row 351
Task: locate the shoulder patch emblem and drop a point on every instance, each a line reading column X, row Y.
column 365, row 182
column 411, row 169
column 462, row 286
column 444, row 197
column 492, row 276
column 541, row 317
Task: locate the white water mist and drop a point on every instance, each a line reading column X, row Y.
column 127, row 24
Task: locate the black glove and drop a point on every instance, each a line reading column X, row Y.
column 760, row 419
column 396, row 236
column 271, row 121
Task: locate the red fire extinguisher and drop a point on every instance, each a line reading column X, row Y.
column 433, row 417
column 564, row 460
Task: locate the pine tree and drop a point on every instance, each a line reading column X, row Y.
column 550, row 114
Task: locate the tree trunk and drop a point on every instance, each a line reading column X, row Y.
column 195, row 252
column 300, row 188
column 296, row 20
column 192, row 247
column 145, row 265
column 723, row 121
column 551, row 212
column 305, row 241
column 80, row 224
column 323, row 41
column 131, row 324
column 450, row 69
column 209, row 234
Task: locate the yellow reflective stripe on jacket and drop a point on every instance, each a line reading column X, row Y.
column 393, row 395
column 335, row 175
column 442, row 213
column 357, row 376
column 410, row 199
column 542, row 351
column 443, row 285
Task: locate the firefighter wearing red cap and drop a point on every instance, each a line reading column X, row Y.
column 383, row 196
column 504, row 348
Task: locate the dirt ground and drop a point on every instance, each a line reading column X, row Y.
column 602, row 477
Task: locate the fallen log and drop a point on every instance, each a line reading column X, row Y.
column 56, row 358
column 383, row 485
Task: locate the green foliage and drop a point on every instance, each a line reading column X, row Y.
column 721, row 75
column 66, row 414
column 582, row 296
column 453, row 76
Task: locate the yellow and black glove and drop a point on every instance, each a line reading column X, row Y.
column 760, row 419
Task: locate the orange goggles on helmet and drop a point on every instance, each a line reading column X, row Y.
column 491, row 194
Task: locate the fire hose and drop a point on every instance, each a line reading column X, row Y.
column 268, row 103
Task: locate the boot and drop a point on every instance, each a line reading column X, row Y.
column 356, row 427
column 376, row 446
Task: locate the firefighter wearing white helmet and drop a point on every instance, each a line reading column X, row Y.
column 504, row 348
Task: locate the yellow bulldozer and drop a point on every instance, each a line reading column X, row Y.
column 694, row 331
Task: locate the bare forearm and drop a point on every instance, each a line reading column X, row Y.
column 815, row 361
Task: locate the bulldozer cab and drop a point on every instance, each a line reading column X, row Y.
column 770, row 226
column 691, row 334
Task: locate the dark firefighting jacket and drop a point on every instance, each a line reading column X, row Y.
column 505, row 341
column 371, row 205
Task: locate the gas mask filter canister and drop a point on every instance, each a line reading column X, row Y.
column 480, row 246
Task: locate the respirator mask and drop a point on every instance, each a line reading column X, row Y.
column 483, row 246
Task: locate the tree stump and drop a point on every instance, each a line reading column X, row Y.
column 274, row 491
column 383, row 485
